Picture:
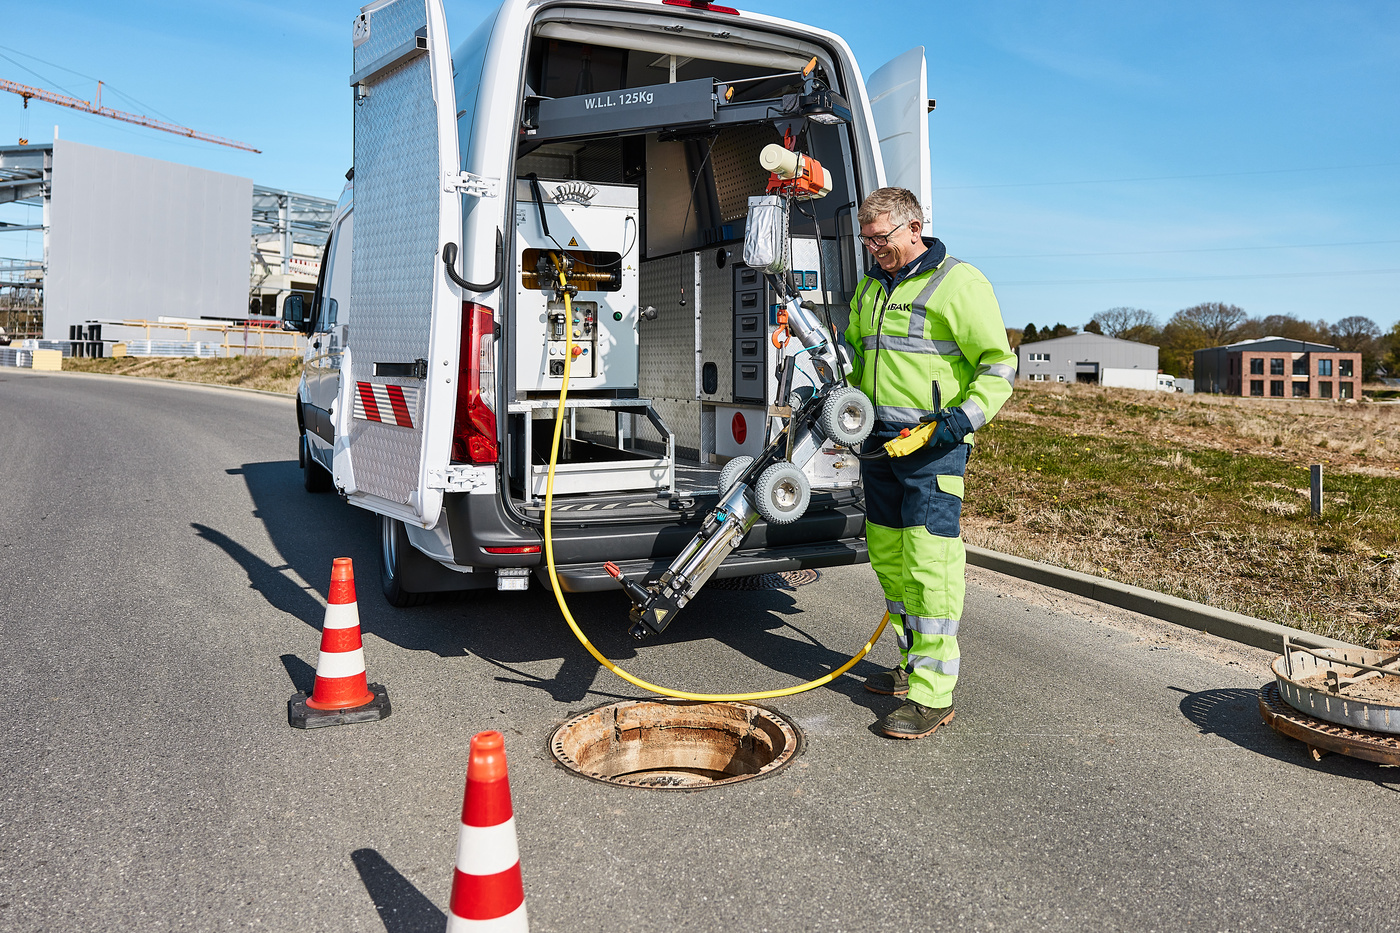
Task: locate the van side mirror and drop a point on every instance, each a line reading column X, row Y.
column 294, row 313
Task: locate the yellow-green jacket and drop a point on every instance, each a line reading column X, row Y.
column 936, row 320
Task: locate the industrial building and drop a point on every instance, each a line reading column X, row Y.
column 1081, row 358
column 132, row 238
column 1278, row 367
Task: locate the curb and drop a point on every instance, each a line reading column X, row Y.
column 1234, row 626
column 181, row 382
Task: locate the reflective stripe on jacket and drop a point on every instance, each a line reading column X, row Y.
column 941, row 324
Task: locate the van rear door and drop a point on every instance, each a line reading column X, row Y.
column 406, row 314
column 898, row 93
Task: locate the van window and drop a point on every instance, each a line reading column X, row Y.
column 338, row 276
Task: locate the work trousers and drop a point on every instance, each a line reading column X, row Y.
column 913, row 511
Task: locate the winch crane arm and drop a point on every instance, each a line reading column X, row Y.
column 63, row 100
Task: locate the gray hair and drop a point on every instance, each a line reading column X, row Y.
column 899, row 203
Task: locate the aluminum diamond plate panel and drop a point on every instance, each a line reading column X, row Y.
column 390, row 27
column 666, row 360
column 396, row 225
column 717, row 323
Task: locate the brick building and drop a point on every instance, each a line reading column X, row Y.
column 1278, row 367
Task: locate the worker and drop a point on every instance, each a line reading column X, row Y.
column 925, row 332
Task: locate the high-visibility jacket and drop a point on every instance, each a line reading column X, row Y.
column 938, row 323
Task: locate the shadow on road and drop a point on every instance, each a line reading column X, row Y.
column 1233, row 713
column 509, row 629
column 402, row 907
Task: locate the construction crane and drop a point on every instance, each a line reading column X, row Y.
column 63, row 100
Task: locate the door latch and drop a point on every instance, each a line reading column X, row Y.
column 471, row 185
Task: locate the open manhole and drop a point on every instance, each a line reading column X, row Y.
column 767, row 581
column 676, row 745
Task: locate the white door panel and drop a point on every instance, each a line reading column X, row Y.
column 899, row 103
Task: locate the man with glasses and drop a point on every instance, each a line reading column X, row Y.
column 928, row 345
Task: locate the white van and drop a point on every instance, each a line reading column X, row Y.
column 620, row 141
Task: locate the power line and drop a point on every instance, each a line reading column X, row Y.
column 1115, row 181
column 1203, row 278
column 1205, row 249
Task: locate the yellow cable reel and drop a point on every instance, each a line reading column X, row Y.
column 559, row 593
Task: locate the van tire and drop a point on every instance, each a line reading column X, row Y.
column 395, row 553
column 313, row 476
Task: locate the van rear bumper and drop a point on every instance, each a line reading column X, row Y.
column 824, row 537
column 592, row 578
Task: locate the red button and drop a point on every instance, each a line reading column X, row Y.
column 739, row 427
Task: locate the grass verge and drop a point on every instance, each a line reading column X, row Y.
column 270, row 373
column 1207, row 499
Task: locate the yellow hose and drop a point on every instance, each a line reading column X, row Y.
column 559, row 593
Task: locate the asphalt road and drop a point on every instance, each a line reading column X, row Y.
column 161, row 587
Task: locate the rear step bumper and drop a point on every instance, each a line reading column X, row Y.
column 592, row 578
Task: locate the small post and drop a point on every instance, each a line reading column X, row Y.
column 1316, row 490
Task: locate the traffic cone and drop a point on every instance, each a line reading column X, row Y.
column 487, row 893
column 341, row 694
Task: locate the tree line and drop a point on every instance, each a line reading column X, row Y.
column 1215, row 323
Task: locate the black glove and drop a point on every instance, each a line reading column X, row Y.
column 953, row 426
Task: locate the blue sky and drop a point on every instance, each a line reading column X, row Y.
column 1085, row 155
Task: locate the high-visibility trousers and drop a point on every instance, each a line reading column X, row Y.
column 913, row 511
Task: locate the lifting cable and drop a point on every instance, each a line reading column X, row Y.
column 554, row 576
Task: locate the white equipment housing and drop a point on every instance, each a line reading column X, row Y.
column 584, row 220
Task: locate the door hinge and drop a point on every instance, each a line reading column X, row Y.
column 461, row 478
column 473, row 185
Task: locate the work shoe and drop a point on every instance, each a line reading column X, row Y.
column 914, row 721
column 893, row 683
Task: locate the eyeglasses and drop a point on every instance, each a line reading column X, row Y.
column 878, row 240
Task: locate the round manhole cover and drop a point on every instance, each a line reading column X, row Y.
column 767, row 581
column 676, row 745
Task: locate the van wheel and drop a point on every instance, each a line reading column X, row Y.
column 313, row 476
column 394, row 554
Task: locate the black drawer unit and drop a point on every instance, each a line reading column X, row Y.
column 752, row 299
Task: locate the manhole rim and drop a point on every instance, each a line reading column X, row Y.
column 788, row 726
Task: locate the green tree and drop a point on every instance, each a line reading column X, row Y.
column 1029, row 334
column 1093, row 328
column 1128, row 324
column 1390, row 351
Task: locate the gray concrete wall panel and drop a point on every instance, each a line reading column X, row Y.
column 132, row 237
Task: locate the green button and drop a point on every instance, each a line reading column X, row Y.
column 617, row 315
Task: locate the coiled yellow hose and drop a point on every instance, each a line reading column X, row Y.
column 559, row 593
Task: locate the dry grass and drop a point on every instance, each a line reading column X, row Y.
column 270, row 373
column 1204, row 498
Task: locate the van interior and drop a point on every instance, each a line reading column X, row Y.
column 659, row 438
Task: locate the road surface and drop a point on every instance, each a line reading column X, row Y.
column 162, row 578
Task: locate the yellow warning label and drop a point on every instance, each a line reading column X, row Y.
column 573, row 241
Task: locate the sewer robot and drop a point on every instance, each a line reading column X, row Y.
column 773, row 484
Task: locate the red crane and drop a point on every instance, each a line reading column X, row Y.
column 63, row 100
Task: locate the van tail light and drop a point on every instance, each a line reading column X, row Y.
column 702, row 5
column 474, row 429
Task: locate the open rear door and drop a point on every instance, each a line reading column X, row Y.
column 898, row 94
column 406, row 316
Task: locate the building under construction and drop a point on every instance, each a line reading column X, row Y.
column 127, row 237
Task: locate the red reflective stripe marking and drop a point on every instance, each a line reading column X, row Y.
column 401, row 415
column 342, row 592
column 486, row 897
column 341, row 639
column 340, row 692
column 487, row 803
column 367, row 400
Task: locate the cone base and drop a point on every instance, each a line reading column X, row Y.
column 301, row 716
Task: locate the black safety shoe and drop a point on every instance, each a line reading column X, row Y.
column 893, row 683
column 914, row 721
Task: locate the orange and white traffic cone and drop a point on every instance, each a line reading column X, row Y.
column 487, row 892
column 341, row 694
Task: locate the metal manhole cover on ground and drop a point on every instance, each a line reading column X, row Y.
column 675, row 744
column 768, row 581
